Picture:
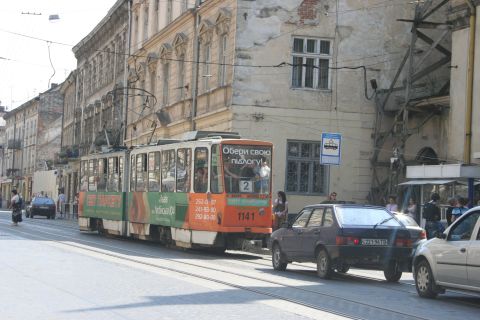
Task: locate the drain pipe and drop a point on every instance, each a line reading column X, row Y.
column 467, row 150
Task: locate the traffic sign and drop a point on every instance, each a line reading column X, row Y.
column 331, row 148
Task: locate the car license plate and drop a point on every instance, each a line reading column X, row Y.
column 375, row 242
column 44, row 207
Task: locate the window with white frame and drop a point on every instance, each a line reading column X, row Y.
column 222, row 59
column 206, row 67
column 305, row 174
column 169, row 11
column 181, row 78
column 311, row 63
column 166, row 75
column 145, row 24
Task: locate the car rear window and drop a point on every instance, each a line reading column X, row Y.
column 406, row 220
column 365, row 217
column 41, row 201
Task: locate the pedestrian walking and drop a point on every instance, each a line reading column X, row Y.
column 16, row 206
column 280, row 209
column 61, row 203
column 432, row 215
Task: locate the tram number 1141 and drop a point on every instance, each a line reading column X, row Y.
column 246, row 216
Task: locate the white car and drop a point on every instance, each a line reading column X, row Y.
column 452, row 260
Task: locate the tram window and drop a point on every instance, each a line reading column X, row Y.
column 168, row 171
column 84, row 175
column 184, row 168
column 133, row 173
column 154, row 171
column 120, row 173
column 201, row 170
column 102, row 175
column 216, row 181
column 113, row 175
column 141, row 184
column 92, row 174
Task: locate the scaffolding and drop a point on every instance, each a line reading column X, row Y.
column 417, row 92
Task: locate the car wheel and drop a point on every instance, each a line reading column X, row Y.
column 48, row 217
column 343, row 268
column 324, row 266
column 424, row 281
column 278, row 261
column 52, row 216
column 392, row 274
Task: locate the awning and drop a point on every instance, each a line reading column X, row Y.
column 424, row 182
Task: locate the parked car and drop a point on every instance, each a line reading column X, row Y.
column 338, row 236
column 452, row 260
column 41, row 206
column 417, row 233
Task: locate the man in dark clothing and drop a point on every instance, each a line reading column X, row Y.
column 452, row 202
column 431, row 213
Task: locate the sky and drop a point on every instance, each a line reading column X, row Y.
column 25, row 67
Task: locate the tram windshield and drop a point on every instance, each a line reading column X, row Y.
column 247, row 168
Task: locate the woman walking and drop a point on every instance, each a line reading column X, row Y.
column 280, row 209
column 16, row 205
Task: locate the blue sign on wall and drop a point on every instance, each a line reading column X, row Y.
column 331, row 148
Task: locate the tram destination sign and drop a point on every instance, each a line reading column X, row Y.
column 331, row 150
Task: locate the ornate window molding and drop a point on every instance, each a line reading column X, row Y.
column 222, row 23
column 165, row 53
column 152, row 60
column 180, row 44
column 206, row 31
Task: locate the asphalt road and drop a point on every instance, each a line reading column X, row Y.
column 49, row 270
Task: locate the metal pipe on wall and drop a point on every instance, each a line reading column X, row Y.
column 467, row 150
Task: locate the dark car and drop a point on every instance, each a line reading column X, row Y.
column 41, row 206
column 338, row 236
column 417, row 233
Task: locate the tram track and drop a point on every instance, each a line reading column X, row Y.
column 355, row 277
column 381, row 312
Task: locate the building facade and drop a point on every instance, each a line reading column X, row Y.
column 94, row 96
column 33, row 138
column 282, row 71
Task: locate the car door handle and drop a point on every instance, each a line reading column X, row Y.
column 463, row 250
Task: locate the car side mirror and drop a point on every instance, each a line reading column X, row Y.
column 285, row 225
column 442, row 235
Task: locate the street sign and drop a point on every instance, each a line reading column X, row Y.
column 331, row 148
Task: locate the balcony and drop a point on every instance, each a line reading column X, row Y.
column 15, row 144
column 13, row 172
column 69, row 152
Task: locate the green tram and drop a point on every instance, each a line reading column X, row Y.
column 209, row 191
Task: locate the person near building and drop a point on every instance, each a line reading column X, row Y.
column 412, row 209
column 392, row 204
column 432, row 215
column 280, row 209
column 75, row 205
column 452, row 203
column 61, row 203
column 332, row 198
column 16, row 205
column 460, row 208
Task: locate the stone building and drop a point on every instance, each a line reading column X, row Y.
column 69, row 156
column 32, row 135
column 94, row 98
column 282, row 71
